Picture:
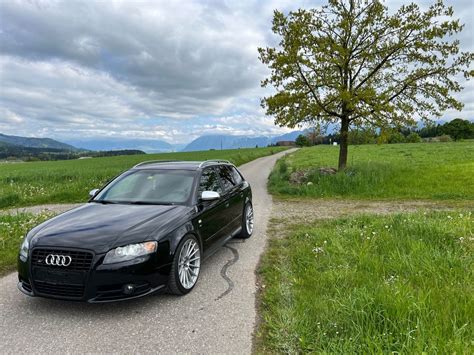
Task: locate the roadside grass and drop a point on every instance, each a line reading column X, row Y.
column 26, row 184
column 370, row 284
column 13, row 229
column 438, row 171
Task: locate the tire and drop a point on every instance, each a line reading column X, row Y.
column 187, row 259
column 247, row 222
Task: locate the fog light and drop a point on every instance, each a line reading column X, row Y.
column 128, row 289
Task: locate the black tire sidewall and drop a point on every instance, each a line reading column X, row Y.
column 175, row 283
column 245, row 234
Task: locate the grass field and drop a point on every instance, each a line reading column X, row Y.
column 12, row 231
column 24, row 184
column 439, row 171
column 400, row 283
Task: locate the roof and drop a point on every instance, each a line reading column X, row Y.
column 178, row 164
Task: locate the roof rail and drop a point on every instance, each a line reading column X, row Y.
column 211, row 161
column 153, row 161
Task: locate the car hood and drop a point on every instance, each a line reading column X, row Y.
column 100, row 227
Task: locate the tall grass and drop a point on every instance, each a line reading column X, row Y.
column 397, row 171
column 13, row 229
column 33, row 183
column 401, row 283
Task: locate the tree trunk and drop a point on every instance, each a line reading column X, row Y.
column 343, row 144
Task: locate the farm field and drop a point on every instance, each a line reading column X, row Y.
column 370, row 284
column 27, row 184
column 436, row 171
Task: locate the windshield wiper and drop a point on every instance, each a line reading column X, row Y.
column 104, row 202
column 150, row 203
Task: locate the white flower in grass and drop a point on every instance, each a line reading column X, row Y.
column 318, row 250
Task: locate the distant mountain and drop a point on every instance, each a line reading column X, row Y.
column 146, row 145
column 28, row 142
column 233, row 142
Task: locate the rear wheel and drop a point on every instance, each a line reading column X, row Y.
column 247, row 221
column 186, row 266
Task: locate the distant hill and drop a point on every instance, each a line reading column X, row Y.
column 233, row 142
column 146, row 145
column 28, row 142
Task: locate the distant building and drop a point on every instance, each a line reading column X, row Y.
column 285, row 143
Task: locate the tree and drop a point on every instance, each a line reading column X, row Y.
column 413, row 137
column 302, row 141
column 353, row 63
column 459, row 129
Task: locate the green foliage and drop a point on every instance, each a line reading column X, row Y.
column 362, row 136
column 13, row 229
column 395, row 171
column 23, row 184
column 413, row 137
column 302, row 141
column 395, row 137
column 355, row 63
column 459, row 129
column 365, row 285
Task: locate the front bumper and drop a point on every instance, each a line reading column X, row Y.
column 101, row 283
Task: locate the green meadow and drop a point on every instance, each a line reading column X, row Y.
column 437, row 171
column 26, row 184
column 401, row 283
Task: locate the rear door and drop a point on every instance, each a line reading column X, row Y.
column 233, row 197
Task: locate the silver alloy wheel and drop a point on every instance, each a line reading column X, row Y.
column 249, row 219
column 189, row 263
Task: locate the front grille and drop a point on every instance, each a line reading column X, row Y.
column 81, row 260
column 61, row 290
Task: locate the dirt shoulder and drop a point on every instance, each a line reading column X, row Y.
column 296, row 211
column 55, row 208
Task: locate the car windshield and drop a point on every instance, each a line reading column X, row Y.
column 159, row 187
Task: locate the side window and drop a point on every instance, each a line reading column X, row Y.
column 209, row 181
column 227, row 179
column 236, row 175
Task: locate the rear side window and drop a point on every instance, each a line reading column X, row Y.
column 209, row 181
column 227, row 178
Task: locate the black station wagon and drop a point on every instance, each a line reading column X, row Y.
column 148, row 229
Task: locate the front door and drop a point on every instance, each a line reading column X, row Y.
column 213, row 219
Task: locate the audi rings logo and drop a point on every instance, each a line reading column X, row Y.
column 58, row 260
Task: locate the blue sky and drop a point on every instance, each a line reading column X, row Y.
column 170, row 70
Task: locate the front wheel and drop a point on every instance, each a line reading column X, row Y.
column 186, row 266
column 247, row 221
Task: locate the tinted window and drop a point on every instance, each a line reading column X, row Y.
column 227, row 179
column 209, row 181
column 235, row 175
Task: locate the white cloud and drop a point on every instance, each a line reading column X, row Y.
column 168, row 70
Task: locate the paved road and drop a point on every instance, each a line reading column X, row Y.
column 217, row 317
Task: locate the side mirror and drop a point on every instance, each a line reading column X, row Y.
column 210, row 195
column 92, row 193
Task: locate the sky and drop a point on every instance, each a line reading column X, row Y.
column 168, row 70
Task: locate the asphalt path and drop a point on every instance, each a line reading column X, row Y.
column 217, row 317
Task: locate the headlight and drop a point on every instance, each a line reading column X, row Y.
column 25, row 247
column 129, row 252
